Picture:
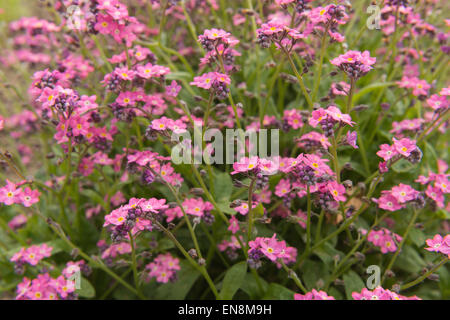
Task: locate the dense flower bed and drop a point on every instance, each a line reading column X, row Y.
column 97, row 95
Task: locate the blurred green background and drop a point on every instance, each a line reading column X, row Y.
column 14, row 9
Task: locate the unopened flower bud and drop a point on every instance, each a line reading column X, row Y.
column 360, row 256
column 236, row 203
column 201, row 262
column 197, row 191
column 433, row 277
column 193, row 253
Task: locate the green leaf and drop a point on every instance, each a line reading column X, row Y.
column 370, row 88
column 410, row 260
column 179, row 289
column 258, row 211
column 225, row 207
column 353, row 283
column 223, row 186
column 403, row 166
column 91, row 194
column 233, row 280
column 86, row 289
column 327, row 252
column 179, row 75
column 250, row 286
column 278, row 292
column 313, row 271
column 417, row 237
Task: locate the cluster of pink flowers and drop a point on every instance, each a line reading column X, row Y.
column 327, row 19
column 419, row 87
column 332, row 115
column 313, row 295
column 385, row 239
column 164, row 268
column 402, row 148
column 407, row 126
column 438, row 102
column 11, row 194
column 439, row 244
column 31, row 255
column 44, row 287
column 377, row 294
column 31, row 37
column 397, row 198
column 272, row 249
column 109, row 252
column 311, row 140
column 212, row 39
column 255, row 165
column 437, row 185
column 215, row 81
column 354, row 63
column 380, row 294
column 133, row 217
column 149, row 163
column 309, row 170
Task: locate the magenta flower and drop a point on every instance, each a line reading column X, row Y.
column 404, row 146
column 387, row 152
column 234, row 225
column 10, row 194
column 354, row 63
column 352, row 136
column 173, row 89
column 388, row 202
column 404, row 193
column 336, row 190
column 29, row 197
column 313, row 295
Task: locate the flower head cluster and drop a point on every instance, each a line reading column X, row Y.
column 11, row 193
column 31, row 255
column 439, row 244
column 407, row 126
column 419, row 87
column 402, row 148
column 313, row 295
column 313, row 140
column 327, row 20
column 328, row 118
column 215, row 81
column 164, row 268
column 384, row 239
column 211, row 39
column 354, row 63
column 44, row 287
column 133, row 217
column 270, row 248
column 153, row 166
column 380, row 294
column 437, row 186
column 397, row 198
column 112, row 251
column 111, row 18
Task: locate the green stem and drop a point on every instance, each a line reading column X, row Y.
column 425, row 275
column 294, row 276
column 299, row 77
column 400, row 246
column 134, row 262
column 308, row 221
column 250, row 213
column 319, row 69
